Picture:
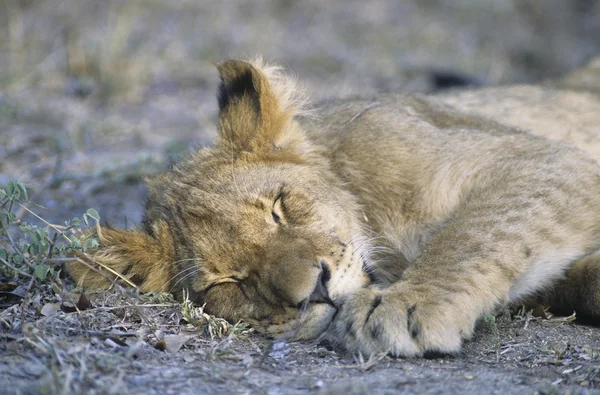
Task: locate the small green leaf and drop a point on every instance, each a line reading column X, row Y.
column 91, row 243
column 17, row 258
column 75, row 244
column 3, row 254
column 10, row 189
column 59, row 247
column 93, row 213
column 33, row 249
column 22, row 192
column 41, row 272
column 25, row 228
column 44, row 245
column 39, row 235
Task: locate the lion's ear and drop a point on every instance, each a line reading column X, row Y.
column 256, row 106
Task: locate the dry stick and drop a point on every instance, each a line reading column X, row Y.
column 119, row 275
column 19, row 271
column 46, row 222
column 61, row 259
column 80, row 259
column 8, row 326
column 52, row 244
column 78, row 255
column 36, row 345
column 113, row 333
column 26, row 299
column 103, row 308
column 16, row 248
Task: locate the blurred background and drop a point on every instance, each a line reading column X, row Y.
column 95, row 95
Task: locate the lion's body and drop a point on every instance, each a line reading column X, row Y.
column 455, row 203
column 412, row 159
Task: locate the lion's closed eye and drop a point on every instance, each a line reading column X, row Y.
column 278, row 210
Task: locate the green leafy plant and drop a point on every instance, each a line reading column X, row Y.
column 36, row 251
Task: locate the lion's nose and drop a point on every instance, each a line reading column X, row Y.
column 320, row 293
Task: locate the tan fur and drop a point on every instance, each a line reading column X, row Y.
column 139, row 257
column 455, row 204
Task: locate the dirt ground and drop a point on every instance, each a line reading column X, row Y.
column 96, row 95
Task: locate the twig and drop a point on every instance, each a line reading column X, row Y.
column 19, row 271
column 61, row 259
column 79, row 257
column 8, row 326
column 17, row 249
column 40, row 347
column 52, row 244
column 10, row 336
column 102, row 308
column 26, row 299
column 115, row 333
column 46, row 222
column 362, row 364
column 527, row 319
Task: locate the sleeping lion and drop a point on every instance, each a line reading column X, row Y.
column 393, row 223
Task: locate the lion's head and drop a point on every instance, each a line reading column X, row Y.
column 257, row 227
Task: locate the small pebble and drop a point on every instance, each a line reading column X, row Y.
column 135, row 350
column 189, row 358
column 279, row 350
column 33, row 370
column 111, row 343
column 140, row 381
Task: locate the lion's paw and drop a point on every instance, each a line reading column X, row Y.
column 399, row 323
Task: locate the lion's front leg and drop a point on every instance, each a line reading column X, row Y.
column 474, row 264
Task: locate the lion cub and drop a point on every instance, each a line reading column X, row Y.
column 394, row 222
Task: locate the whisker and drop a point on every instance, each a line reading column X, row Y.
column 198, row 270
column 362, row 241
column 182, row 272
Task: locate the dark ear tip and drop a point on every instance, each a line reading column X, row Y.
column 232, row 68
column 237, row 80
